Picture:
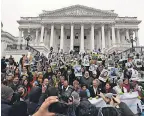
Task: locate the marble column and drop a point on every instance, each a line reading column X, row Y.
column 103, row 38
column 72, row 37
column 24, row 41
column 99, row 40
column 62, row 37
column 45, row 37
column 52, row 35
column 20, row 36
column 127, row 34
column 109, row 39
column 42, row 35
column 36, row 39
column 82, row 38
column 136, row 35
column 118, row 36
column 92, row 37
column 113, row 35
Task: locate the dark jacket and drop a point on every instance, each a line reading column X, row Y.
column 18, row 109
column 14, row 87
column 92, row 93
column 33, row 99
column 86, row 81
column 3, row 66
column 84, row 106
column 125, row 110
column 5, row 108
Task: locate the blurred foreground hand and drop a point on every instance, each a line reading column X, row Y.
column 43, row 110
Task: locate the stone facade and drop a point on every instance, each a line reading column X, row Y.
column 79, row 28
column 6, row 40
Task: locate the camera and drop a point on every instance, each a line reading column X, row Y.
column 67, row 94
column 62, row 106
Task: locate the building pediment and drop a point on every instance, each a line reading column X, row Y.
column 78, row 10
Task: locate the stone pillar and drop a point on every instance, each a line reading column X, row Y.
column 127, row 34
column 45, row 37
column 99, row 40
column 36, row 39
column 103, row 38
column 109, row 39
column 42, row 35
column 72, row 37
column 136, row 36
column 118, row 36
column 24, row 41
column 20, row 36
column 82, row 38
column 62, row 37
column 92, row 37
column 52, row 35
column 113, row 35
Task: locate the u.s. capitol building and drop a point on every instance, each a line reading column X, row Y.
column 79, row 28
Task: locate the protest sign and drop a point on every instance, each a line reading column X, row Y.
column 138, row 62
column 92, row 67
column 86, row 61
column 104, row 75
column 77, row 70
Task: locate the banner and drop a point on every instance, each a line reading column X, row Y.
column 77, row 70
column 129, row 98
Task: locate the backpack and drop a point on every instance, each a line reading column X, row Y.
column 89, row 110
column 109, row 111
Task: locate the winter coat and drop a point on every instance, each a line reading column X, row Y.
column 33, row 99
column 86, row 81
column 18, row 109
column 5, row 108
column 84, row 106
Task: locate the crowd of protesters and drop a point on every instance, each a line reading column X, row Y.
column 31, row 86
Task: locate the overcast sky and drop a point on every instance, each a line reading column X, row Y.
column 12, row 10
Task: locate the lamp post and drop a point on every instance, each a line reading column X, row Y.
column 132, row 40
column 28, row 38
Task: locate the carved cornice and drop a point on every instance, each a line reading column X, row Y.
column 78, row 10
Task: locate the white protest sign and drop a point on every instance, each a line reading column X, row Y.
column 138, row 63
column 129, row 98
column 104, row 75
column 132, row 101
column 77, row 70
column 92, row 67
column 86, row 61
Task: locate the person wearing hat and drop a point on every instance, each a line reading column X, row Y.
column 6, row 96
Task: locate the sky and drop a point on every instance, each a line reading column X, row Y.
column 12, row 10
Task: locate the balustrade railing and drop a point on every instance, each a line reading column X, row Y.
column 22, row 47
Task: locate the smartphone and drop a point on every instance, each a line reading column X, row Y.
column 58, row 108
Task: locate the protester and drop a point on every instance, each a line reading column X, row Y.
column 108, row 89
column 35, row 78
column 84, row 88
column 15, row 83
column 95, row 89
column 126, row 84
column 86, row 79
column 85, row 108
column 119, row 88
column 6, row 96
